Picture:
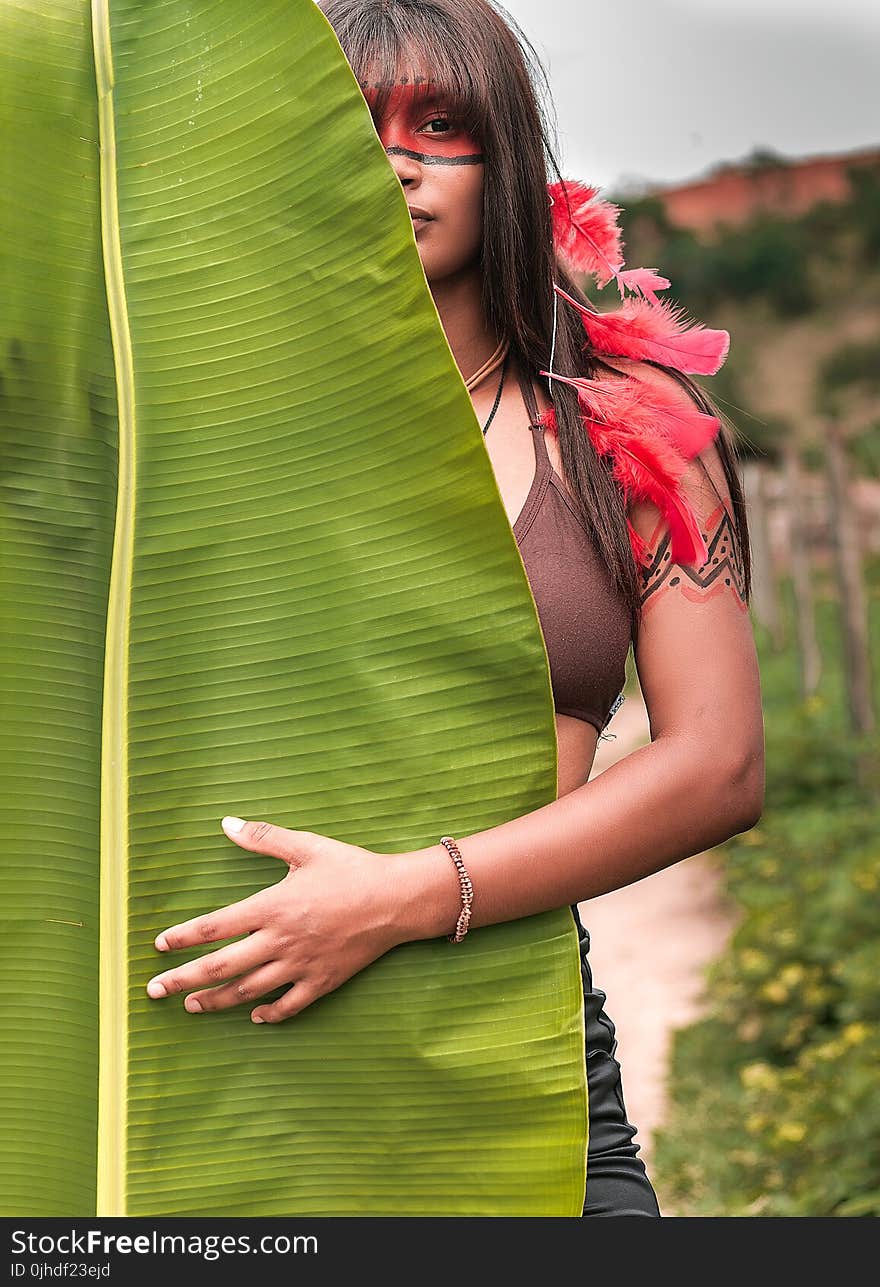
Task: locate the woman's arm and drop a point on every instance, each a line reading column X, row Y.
column 700, row 781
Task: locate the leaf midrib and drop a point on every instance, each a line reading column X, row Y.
column 113, row 943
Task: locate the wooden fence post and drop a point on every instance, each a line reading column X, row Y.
column 853, row 601
column 805, row 619
column 765, row 590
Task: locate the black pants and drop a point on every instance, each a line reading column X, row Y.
column 617, row 1182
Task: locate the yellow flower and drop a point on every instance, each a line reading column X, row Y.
column 855, row 1033
column 753, row 961
column 828, row 1050
column 775, row 991
column 793, row 974
column 791, row 1132
column 815, row 996
column 758, row 1076
column 755, row 1123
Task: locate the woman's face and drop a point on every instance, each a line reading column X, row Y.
column 440, row 168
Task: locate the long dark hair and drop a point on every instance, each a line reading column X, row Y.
column 486, row 66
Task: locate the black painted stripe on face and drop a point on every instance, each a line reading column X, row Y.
column 433, row 159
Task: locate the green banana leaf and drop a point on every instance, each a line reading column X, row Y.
column 254, row 561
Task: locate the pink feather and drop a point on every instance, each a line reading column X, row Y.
column 646, row 280
column 640, row 477
column 640, row 547
column 649, row 411
column 649, row 437
column 585, row 230
column 588, row 240
column 658, row 332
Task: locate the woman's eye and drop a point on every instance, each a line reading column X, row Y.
column 438, row 120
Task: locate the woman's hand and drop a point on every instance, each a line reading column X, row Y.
column 338, row 908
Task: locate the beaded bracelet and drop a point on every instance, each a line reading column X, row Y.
column 467, row 890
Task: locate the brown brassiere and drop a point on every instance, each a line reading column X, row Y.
column 584, row 620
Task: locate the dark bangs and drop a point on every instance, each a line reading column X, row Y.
column 384, row 44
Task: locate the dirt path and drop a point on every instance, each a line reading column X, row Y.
column 649, row 946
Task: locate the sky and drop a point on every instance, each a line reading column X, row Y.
column 658, row 92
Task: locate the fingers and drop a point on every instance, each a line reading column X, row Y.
column 215, row 967
column 265, row 838
column 238, row 918
column 294, row 1000
column 251, row 987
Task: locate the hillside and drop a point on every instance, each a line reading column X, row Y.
column 735, row 191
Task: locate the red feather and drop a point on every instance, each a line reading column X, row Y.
column 649, row 437
column 588, row 240
column 652, row 411
column 585, row 230
column 646, row 280
column 640, row 478
column 657, row 332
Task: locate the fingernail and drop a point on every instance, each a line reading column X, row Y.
column 232, row 825
column 193, row 1005
column 156, row 989
column 161, row 944
column 256, row 1019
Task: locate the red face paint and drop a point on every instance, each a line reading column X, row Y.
column 417, row 123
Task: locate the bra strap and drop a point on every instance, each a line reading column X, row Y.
column 528, row 394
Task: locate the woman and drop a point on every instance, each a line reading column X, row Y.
column 448, row 84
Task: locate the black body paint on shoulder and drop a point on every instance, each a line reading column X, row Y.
column 723, row 570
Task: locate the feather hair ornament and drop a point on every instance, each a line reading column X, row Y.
column 588, row 240
column 649, row 437
column 645, row 431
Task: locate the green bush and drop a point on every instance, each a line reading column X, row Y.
column 774, row 1104
column 864, row 450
